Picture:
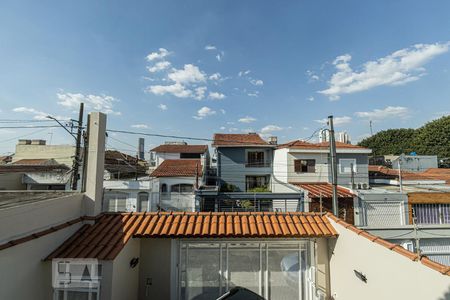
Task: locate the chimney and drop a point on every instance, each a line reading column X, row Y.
column 24, row 142
column 38, row 142
column 141, row 148
column 273, row 140
column 95, row 163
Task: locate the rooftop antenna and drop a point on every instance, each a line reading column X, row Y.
column 371, row 129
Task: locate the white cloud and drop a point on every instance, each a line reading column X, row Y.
column 159, row 66
column 311, row 98
column 220, row 56
column 337, row 121
column 103, row 103
column 189, row 74
column 176, row 89
column 385, row 113
column 256, row 82
column 216, row 96
column 247, row 119
column 253, row 94
column 233, row 129
column 38, row 115
column 312, row 76
column 140, row 126
column 204, row 112
column 242, row 73
column 223, row 111
column 270, row 128
column 210, row 47
column 158, row 55
column 200, row 92
column 215, row 76
column 222, row 128
column 162, row 107
column 397, row 68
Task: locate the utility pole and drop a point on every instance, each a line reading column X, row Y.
column 416, row 233
column 333, row 166
column 76, row 161
column 400, row 181
column 371, row 130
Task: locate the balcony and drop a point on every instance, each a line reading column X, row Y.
column 257, row 164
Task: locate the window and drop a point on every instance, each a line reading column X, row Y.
column 253, row 182
column 282, row 270
column 255, row 159
column 143, row 201
column 190, row 155
column 305, row 165
column 182, row 188
column 346, row 166
column 116, row 202
column 163, row 188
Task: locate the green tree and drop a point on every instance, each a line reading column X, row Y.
column 391, row 141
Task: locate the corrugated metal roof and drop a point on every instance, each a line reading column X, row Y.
column 106, row 238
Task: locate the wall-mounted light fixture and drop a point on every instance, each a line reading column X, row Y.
column 361, row 276
column 134, row 262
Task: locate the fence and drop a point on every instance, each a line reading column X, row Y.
column 432, row 213
column 173, row 201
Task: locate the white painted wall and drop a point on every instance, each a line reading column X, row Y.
column 389, row 274
column 21, row 220
column 62, row 154
column 321, row 174
column 160, row 157
column 23, row 274
column 130, row 188
column 125, row 280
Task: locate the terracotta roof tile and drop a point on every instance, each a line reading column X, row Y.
column 316, row 189
column 178, row 168
column 438, row 174
column 387, row 173
column 299, row 144
column 111, row 232
column 167, row 148
column 238, row 140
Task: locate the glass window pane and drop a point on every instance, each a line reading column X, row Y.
column 244, row 266
column 283, row 272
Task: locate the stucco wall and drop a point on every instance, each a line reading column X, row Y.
column 155, row 265
column 362, row 169
column 28, row 218
column 12, row 181
column 23, row 274
column 321, row 174
column 231, row 167
column 61, row 153
column 389, row 274
column 125, row 280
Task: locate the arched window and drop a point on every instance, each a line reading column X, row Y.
column 163, row 188
column 142, row 201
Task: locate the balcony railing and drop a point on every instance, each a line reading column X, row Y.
column 257, row 164
column 432, row 213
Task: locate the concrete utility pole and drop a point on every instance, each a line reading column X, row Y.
column 333, row 166
column 76, row 161
column 400, row 181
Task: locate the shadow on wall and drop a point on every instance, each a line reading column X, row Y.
column 446, row 295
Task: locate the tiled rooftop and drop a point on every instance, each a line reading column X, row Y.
column 181, row 148
column 106, row 238
column 324, row 189
column 299, row 144
column 387, row 173
column 33, row 162
column 178, row 168
column 238, row 140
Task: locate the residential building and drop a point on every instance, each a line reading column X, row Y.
column 244, row 179
column 178, row 150
column 64, row 247
column 127, row 195
column 412, row 163
column 38, row 149
column 34, row 174
column 341, row 136
column 174, row 182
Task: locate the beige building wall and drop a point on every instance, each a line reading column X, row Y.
column 63, row 154
column 155, row 269
column 23, row 274
column 12, row 182
column 389, row 274
column 125, row 280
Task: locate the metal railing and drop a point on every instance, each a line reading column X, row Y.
column 257, row 164
column 173, row 201
column 259, row 205
column 432, row 213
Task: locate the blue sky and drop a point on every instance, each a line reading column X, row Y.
column 193, row 68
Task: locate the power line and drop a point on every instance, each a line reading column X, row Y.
column 28, row 127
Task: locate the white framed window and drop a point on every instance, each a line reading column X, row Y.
column 346, row 165
column 116, row 202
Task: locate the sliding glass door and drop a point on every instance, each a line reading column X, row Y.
column 274, row 270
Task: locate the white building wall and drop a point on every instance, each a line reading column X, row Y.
column 389, row 274
column 125, row 280
column 321, row 174
column 62, row 154
column 160, row 157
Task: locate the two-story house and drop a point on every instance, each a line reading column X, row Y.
column 307, row 166
column 178, row 150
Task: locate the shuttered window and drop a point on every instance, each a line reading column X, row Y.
column 305, row 165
